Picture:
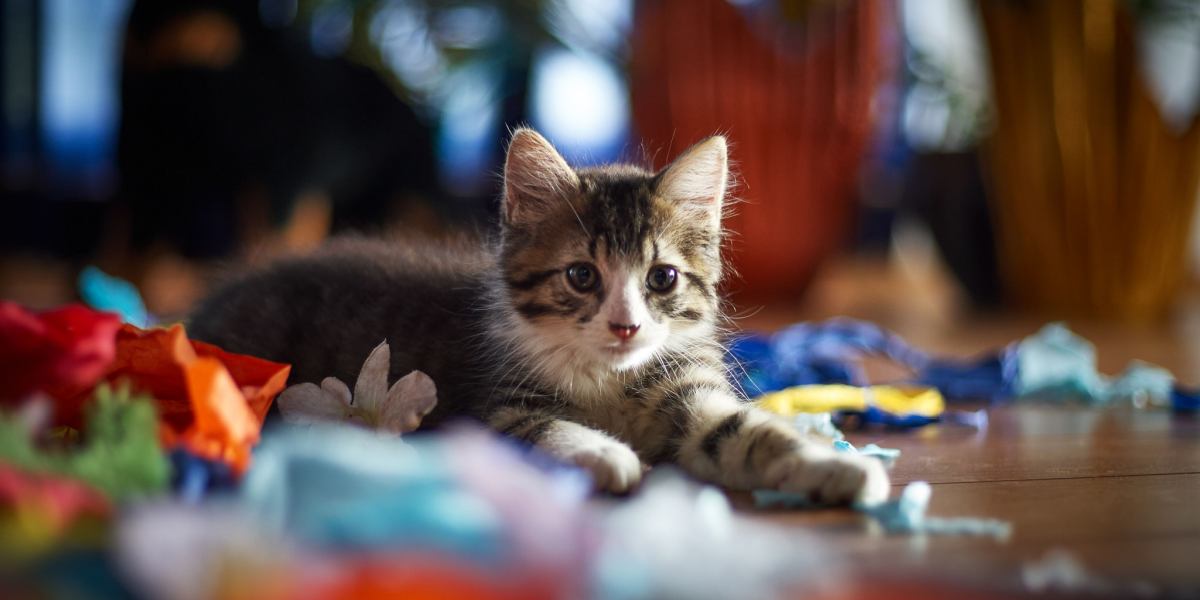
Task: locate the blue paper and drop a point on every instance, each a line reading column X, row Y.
column 349, row 488
column 1056, row 364
column 817, row 353
column 904, row 515
column 887, row 455
column 1185, row 401
column 194, row 477
column 831, row 352
column 986, row 378
column 104, row 292
column 817, row 423
column 1143, row 384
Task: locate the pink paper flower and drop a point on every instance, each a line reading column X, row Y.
column 395, row 410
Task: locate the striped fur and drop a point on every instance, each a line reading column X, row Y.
column 671, row 402
column 510, row 340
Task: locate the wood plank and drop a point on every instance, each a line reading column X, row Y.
column 1046, row 442
column 1102, row 520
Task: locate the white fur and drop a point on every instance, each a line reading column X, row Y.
column 624, row 305
column 830, row 476
column 613, row 465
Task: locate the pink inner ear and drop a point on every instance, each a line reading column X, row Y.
column 535, row 175
column 698, row 177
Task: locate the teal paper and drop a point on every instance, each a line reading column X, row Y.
column 1056, row 364
column 104, row 292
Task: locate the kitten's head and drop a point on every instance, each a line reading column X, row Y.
column 609, row 266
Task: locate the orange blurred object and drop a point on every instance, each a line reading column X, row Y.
column 1094, row 191
column 210, row 401
column 414, row 577
column 793, row 93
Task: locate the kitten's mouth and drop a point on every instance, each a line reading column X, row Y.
column 623, row 355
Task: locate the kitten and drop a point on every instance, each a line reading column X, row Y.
column 589, row 329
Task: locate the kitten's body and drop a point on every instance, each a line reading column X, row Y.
column 589, row 329
column 325, row 312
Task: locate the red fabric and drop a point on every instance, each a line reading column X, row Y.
column 62, row 353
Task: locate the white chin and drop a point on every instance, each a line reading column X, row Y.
column 625, row 360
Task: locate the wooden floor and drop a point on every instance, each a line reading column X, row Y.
column 1118, row 489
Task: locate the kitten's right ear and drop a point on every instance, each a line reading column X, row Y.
column 536, row 177
column 696, row 180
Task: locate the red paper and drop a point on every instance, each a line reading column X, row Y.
column 414, row 577
column 58, row 500
column 62, row 352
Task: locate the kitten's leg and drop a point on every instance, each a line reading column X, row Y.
column 613, row 464
column 724, row 441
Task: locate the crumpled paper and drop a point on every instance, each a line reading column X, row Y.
column 187, row 552
column 343, row 487
column 818, row 353
column 120, row 454
column 1060, row 572
column 396, row 410
column 37, row 509
column 1055, row 363
column 904, row 515
column 888, row 456
column 678, row 539
column 234, row 546
column 926, row 402
column 817, row 424
column 62, row 353
column 337, row 511
column 210, row 401
column 113, row 294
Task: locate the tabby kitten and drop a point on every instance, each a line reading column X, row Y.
column 589, row 329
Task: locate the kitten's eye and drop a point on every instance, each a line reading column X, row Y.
column 582, row 276
column 662, row 278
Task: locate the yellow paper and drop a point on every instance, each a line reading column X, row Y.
column 927, row 402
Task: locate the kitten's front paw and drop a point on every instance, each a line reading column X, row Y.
column 830, row 477
column 614, row 466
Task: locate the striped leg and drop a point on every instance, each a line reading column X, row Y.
column 728, row 443
column 613, row 465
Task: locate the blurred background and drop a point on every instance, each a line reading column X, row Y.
column 927, row 159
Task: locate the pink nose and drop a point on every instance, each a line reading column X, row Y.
column 624, row 332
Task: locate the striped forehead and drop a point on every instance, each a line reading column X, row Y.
column 619, row 213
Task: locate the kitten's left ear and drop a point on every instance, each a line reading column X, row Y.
column 696, row 180
column 536, row 178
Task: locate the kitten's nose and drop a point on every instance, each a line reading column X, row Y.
column 623, row 332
